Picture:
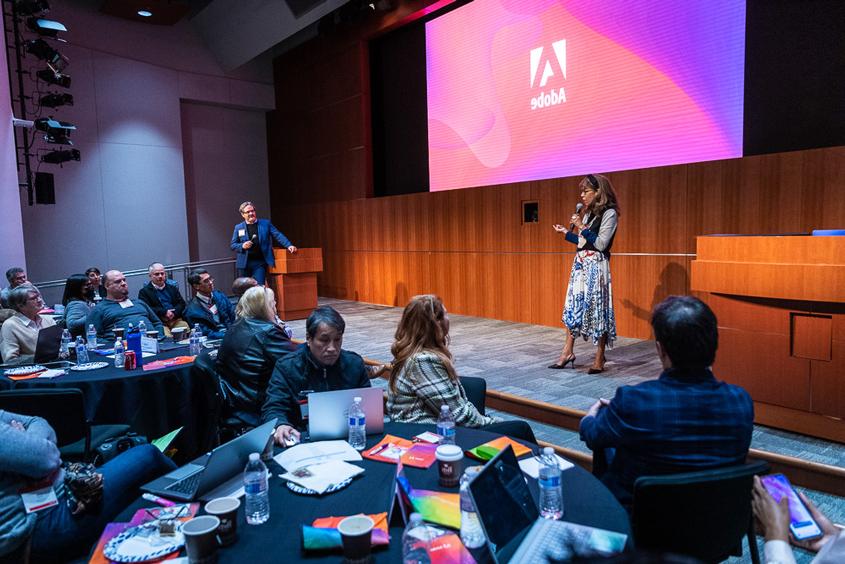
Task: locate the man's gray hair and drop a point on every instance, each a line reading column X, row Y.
column 243, row 206
column 155, row 264
column 19, row 295
column 12, row 272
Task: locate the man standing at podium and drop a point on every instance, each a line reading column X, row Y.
column 253, row 241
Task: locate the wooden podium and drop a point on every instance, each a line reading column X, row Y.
column 294, row 280
column 780, row 301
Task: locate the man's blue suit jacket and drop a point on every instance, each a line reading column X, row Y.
column 683, row 421
column 267, row 232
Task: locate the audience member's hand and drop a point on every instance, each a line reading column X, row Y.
column 283, row 433
column 829, row 530
column 15, row 424
column 594, row 409
column 292, row 250
column 246, row 245
column 773, row 516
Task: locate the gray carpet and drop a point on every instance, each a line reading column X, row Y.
column 513, row 358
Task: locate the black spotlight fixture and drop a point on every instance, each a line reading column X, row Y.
column 51, row 77
column 31, row 7
column 41, row 49
column 55, row 131
column 62, row 156
column 55, row 99
column 44, row 28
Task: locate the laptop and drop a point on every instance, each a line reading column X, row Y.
column 196, row 478
column 512, row 523
column 327, row 412
column 48, row 344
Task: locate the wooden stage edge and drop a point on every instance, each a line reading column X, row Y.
column 813, row 475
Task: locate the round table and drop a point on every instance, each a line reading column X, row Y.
column 151, row 402
column 586, row 501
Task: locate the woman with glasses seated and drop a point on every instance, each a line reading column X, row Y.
column 77, row 306
column 423, row 378
column 19, row 333
column 588, row 308
column 248, row 353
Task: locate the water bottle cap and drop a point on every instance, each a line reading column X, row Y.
column 549, row 451
column 254, row 457
column 415, row 518
column 444, row 407
column 357, row 399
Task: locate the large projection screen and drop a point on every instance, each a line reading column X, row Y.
column 523, row 90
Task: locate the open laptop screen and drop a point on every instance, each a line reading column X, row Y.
column 502, row 498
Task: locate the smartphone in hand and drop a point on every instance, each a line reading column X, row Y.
column 801, row 523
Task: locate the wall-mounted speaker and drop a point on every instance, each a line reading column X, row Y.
column 45, row 190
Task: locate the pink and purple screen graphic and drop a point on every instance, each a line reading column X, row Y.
column 530, row 89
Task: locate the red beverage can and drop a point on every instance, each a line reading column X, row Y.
column 129, row 360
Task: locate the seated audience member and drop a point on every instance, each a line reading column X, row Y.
column 249, row 352
column 423, row 378
column 242, row 284
column 685, row 420
column 210, row 308
column 319, row 366
column 164, row 297
column 97, row 291
column 19, row 333
column 774, row 517
column 77, row 305
column 117, row 310
column 16, row 276
column 28, row 455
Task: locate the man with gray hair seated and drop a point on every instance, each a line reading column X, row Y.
column 16, row 276
column 320, row 366
column 19, row 333
column 117, row 310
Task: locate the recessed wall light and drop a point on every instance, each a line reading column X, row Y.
column 145, row 13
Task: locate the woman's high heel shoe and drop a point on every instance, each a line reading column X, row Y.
column 568, row 360
column 596, row 369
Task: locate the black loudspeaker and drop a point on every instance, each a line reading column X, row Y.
column 45, row 190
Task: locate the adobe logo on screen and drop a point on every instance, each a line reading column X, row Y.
column 556, row 95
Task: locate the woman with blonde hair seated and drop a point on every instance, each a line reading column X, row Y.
column 249, row 350
column 423, row 378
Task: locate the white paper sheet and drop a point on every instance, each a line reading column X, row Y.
column 531, row 465
column 319, row 477
column 314, row 453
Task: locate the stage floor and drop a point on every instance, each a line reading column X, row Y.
column 513, row 358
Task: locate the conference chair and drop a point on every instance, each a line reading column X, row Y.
column 476, row 389
column 64, row 410
column 703, row 514
column 218, row 427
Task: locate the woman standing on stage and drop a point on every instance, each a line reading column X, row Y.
column 588, row 309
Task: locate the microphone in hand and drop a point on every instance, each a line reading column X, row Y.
column 578, row 209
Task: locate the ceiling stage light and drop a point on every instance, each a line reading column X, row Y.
column 55, row 99
column 55, row 131
column 31, row 7
column 51, row 77
column 59, row 157
column 45, row 28
column 144, row 13
column 41, row 49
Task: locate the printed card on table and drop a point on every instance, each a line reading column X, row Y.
column 490, row 449
column 395, row 449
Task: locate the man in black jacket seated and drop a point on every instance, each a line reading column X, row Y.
column 248, row 353
column 321, row 366
column 163, row 296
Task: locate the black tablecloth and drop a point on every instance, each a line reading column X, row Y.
column 152, row 402
column 586, row 501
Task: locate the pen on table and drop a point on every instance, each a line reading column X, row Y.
column 375, row 451
column 159, row 500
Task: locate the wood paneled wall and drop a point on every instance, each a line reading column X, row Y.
column 470, row 246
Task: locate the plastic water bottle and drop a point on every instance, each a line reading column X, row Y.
column 472, row 535
column 551, row 494
column 64, row 348
column 92, row 337
column 142, row 328
column 416, row 541
column 193, row 345
column 119, row 353
column 255, row 491
column 446, row 426
column 198, row 332
column 81, row 351
column 357, row 425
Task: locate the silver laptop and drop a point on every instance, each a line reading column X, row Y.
column 194, row 479
column 327, row 412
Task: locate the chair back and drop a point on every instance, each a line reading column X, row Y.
column 63, row 408
column 703, row 514
column 206, row 379
column 476, row 390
